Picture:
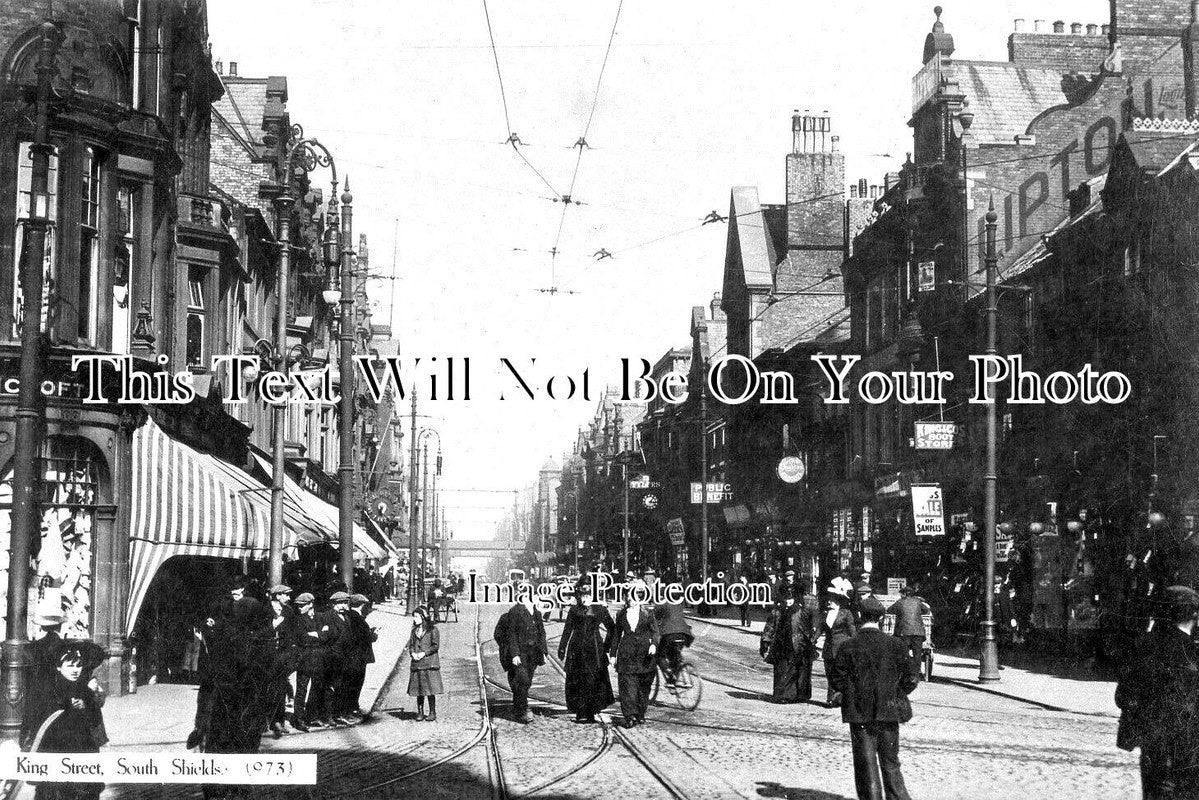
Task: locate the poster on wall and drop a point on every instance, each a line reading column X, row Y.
column 928, row 509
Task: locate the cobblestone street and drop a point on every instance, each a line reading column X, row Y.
column 736, row 744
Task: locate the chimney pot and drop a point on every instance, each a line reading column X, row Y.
column 1059, row 26
column 1076, row 28
column 219, row 66
column 1106, row 29
column 233, row 69
column 1019, row 26
column 1038, row 25
column 836, row 143
column 862, row 190
column 853, row 191
column 1092, row 29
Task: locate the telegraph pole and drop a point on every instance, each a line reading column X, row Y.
column 703, row 474
column 988, row 662
column 413, row 469
column 424, row 518
column 624, row 475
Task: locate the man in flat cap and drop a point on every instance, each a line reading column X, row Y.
column 284, row 661
column 875, row 675
column 311, row 635
column 1158, row 696
column 339, row 650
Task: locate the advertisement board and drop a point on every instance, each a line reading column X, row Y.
column 928, row 509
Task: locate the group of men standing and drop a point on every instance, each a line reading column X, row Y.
column 249, row 651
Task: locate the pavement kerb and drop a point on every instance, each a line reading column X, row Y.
column 732, row 625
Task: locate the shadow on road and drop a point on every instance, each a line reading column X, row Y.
column 769, row 789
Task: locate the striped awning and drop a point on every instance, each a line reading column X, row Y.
column 324, row 517
column 185, row 502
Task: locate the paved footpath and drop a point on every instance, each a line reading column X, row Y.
column 1052, row 692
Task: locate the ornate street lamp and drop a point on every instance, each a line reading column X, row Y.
column 311, row 154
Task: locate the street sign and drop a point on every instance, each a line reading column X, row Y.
column 935, row 435
column 790, row 469
column 677, row 539
column 928, row 510
column 717, row 492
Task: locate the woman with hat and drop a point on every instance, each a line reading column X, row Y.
column 581, row 651
column 424, row 682
column 788, row 643
column 632, row 646
column 63, row 714
column 838, row 628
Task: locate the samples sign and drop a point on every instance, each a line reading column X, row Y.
column 928, row 509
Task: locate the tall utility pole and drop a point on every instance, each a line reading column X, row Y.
column 624, row 476
column 703, row 473
column 424, row 518
column 346, row 465
column 413, row 469
column 284, row 205
column 988, row 662
column 26, row 514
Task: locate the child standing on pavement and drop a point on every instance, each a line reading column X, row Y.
column 425, row 678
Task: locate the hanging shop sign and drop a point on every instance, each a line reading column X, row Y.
column 676, row 531
column 935, row 435
column 790, row 469
column 717, row 492
column 889, row 486
column 928, row 509
column 641, row 482
column 895, row 584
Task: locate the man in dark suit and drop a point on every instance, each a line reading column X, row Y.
column 1158, row 695
column 875, row 675
column 284, row 662
column 311, row 632
column 520, row 635
column 632, row 646
column 909, row 611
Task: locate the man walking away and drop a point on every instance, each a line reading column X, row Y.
column 909, row 611
column 520, row 635
column 1158, row 695
column 874, row 673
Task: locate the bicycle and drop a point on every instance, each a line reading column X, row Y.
column 687, row 687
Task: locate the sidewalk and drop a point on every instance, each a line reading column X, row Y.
column 1036, row 684
column 159, row 717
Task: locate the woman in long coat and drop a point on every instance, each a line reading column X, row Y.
column 788, row 643
column 838, row 628
column 424, row 680
column 588, row 626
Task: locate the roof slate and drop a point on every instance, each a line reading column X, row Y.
column 1005, row 97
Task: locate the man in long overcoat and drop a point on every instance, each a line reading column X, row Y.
column 789, row 644
column 632, row 646
column 520, row 635
column 1158, row 695
column 875, row 675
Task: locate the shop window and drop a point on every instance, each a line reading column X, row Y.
column 24, row 212
column 61, row 581
column 196, row 311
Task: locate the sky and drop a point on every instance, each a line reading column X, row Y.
column 695, row 97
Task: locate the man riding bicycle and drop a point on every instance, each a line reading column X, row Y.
column 675, row 635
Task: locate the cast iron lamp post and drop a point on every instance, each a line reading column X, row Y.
column 26, row 513
column 424, row 517
column 988, row 661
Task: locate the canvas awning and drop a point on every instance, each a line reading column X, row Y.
column 186, row 502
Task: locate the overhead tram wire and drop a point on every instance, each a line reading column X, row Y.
column 582, row 145
column 512, row 139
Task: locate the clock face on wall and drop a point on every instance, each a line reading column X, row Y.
column 650, row 501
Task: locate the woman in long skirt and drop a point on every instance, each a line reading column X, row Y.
column 424, row 682
column 787, row 643
column 588, row 625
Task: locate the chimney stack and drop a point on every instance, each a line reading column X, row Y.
column 1092, row 29
column 1076, row 28
column 1106, row 29
column 810, row 133
column 714, row 307
column 219, row 66
column 232, row 69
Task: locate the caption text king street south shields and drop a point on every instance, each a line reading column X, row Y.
column 112, row 378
